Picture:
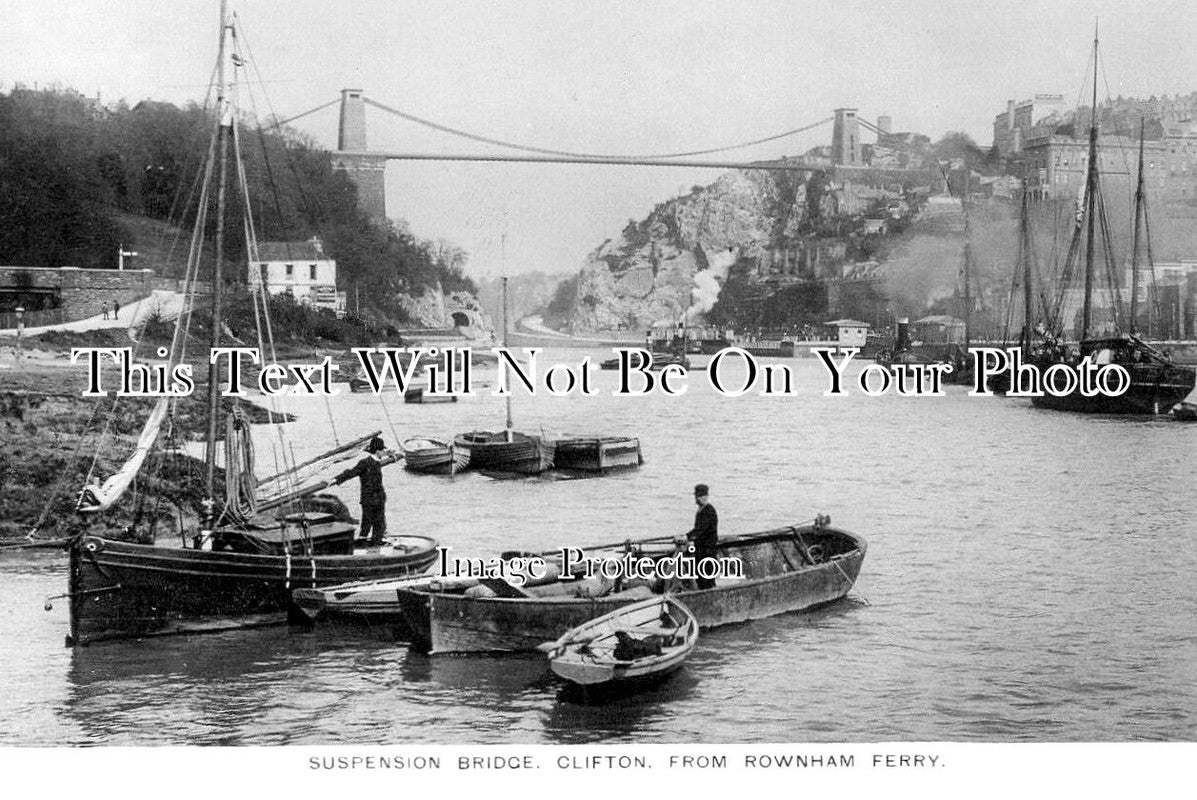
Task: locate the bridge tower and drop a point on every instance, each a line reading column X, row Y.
column 845, row 138
column 366, row 170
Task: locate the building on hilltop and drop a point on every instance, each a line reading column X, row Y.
column 1019, row 121
column 1055, row 165
column 301, row 270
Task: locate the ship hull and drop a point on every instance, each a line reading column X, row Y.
column 1153, row 390
column 778, row 582
column 120, row 590
column 433, row 457
column 597, row 454
column 529, row 455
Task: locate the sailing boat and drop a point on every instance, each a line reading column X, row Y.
column 507, row 450
column 1156, row 382
column 237, row 569
column 1024, row 272
column 962, row 367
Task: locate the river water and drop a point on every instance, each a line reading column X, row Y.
column 1030, row 577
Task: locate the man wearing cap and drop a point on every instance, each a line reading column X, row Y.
column 704, row 536
column 373, row 496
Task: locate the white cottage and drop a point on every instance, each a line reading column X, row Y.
column 300, row 269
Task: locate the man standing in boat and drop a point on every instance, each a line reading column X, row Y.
column 373, row 497
column 704, row 536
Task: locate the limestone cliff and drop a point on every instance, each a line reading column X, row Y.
column 433, row 308
column 673, row 262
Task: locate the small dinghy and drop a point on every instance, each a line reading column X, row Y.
column 636, row 644
column 434, row 457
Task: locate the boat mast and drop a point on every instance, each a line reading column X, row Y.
column 1090, row 202
column 968, row 306
column 1025, row 230
column 506, row 371
column 1134, row 309
column 222, row 108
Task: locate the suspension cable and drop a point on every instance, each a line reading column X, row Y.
column 546, row 151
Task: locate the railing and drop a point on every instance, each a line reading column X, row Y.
column 33, row 319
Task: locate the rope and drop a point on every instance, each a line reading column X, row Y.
column 282, row 122
column 546, row 151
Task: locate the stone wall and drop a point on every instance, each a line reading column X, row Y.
column 79, row 293
column 369, row 175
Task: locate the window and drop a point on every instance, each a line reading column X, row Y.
column 312, row 272
column 290, row 270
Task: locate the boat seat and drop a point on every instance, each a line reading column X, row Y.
column 648, row 630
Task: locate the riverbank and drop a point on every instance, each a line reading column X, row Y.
column 53, row 441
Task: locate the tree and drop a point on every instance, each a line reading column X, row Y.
column 959, row 145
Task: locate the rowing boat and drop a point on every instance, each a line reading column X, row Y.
column 434, row 457
column 635, row 644
column 507, row 451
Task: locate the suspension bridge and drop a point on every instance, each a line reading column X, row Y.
column 367, row 168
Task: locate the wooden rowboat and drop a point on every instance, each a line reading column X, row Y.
column 597, row 453
column 636, row 644
column 658, row 361
column 434, row 457
column 522, row 453
column 785, row 569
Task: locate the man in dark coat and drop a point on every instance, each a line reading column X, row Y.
column 705, row 533
column 374, row 497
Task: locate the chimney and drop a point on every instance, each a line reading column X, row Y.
column 902, row 341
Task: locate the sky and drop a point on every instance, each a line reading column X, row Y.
column 605, row 77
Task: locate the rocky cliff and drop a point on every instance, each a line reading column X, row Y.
column 673, row 262
column 434, row 308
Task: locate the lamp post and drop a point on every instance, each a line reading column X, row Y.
column 20, row 329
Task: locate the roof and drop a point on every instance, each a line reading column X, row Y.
column 848, row 323
column 310, row 250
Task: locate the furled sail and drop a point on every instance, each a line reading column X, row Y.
column 99, row 497
column 311, row 476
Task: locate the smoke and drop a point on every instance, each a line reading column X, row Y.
column 704, row 295
column 707, row 282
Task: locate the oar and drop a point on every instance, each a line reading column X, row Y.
column 653, row 540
